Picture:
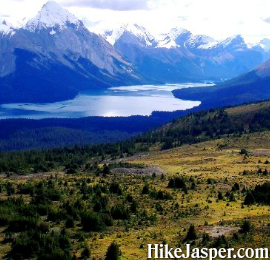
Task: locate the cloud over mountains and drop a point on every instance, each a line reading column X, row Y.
column 117, row 5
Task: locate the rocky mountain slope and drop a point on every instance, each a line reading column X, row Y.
column 56, row 55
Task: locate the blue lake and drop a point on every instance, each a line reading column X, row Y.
column 117, row 101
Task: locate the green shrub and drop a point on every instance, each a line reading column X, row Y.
column 120, row 212
column 221, row 242
column 246, row 227
column 86, row 252
column 146, row 189
column 34, row 244
column 115, row 188
column 92, row 221
column 177, row 183
column 69, row 222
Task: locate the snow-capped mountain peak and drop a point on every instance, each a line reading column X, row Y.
column 201, row 42
column 52, row 15
column 139, row 31
column 234, row 43
column 169, row 40
column 176, row 32
column 5, row 27
column 236, row 39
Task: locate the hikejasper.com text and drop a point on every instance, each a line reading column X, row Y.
column 160, row 251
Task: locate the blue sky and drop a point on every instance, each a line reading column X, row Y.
column 216, row 18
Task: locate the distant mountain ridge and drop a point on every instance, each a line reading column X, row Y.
column 180, row 55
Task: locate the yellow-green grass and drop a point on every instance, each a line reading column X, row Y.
column 219, row 160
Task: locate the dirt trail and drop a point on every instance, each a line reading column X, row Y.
column 217, row 231
column 149, row 170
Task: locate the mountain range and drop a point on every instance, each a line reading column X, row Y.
column 182, row 56
column 54, row 56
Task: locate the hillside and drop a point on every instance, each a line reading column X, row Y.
column 211, row 124
column 249, row 87
column 134, row 193
column 193, row 128
column 27, row 134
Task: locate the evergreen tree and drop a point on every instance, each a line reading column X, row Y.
column 113, row 252
column 249, row 200
column 191, row 235
column 246, row 227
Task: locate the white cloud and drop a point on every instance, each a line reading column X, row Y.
column 267, row 19
column 118, row 5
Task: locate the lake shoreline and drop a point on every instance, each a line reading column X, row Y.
column 122, row 101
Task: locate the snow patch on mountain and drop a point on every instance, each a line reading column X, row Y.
column 265, row 44
column 52, row 15
column 178, row 37
column 52, row 32
column 165, row 41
